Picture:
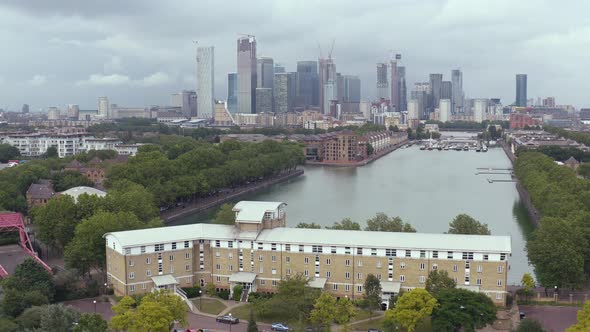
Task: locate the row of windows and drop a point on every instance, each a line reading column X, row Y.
column 148, row 273
column 148, row 260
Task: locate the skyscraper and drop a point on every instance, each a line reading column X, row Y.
column 480, row 109
column 447, row 90
column 307, row 84
column 265, row 72
column 382, row 82
column 232, row 93
column 103, row 107
column 186, row 101
column 329, row 82
column 263, row 100
column 247, row 74
column 281, row 93
column 292, row 78
column 25, row 108
column 205, row 81
column 73, row 111
column 457, row 83
column 420, row 93
column 394, row 85
column 521, row 90
column 436, row 90
column 279, row 68
column 402, row 88
column 352, row 89
column 444, row 109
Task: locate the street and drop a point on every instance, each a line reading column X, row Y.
column 553, row 318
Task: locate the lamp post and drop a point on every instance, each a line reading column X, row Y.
column 200, row 299
column 105, row 288
column 94, row 305
column 231, row 322
column 555, row 294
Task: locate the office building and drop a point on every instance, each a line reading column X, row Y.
column 259, row 251
column 25, row 109
column 205, row 82
column 413, row 109
column 232, row 93
column 281, row 92
column 480, row 109
column 292, row 93
column 521, row 93
column 103, row 107
column 394, row 85
column 444, row 109
column 421, row 93
column 328, row 80
column 447, row 90
column 247, row 76
column 307, row 84
column 435, row 90
column 402, row 88
column 457, row 92
column 53, row 113
column 187, row 101
column 264, row 100
column 383, row 91
column 73, row 111
column 351, row 89
column 279, row 68
column 265, row 72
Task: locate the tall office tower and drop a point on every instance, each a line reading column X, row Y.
column 103, row 107
column 205, row 81
column 394, row 84
column 279, row 68
column 193, row 106
column 402, row 88
column 447, row 90
column 73, row 111
column 352, row 89
column 480, row 109
column 186, row 101
column 420, row 93
column 436, row 90
column 321, row 82
column 25, row 108
column 413, row 109
column 247, row 74
column 232, row 93
column 444, row 109
column 339, row 87
column 457, row 83
column 521, row 90
column 292, row 77
column 382, row 82
column 328, row 83
column 265, row 72
column 263, row 100
column 281, row 92
column 307, row 84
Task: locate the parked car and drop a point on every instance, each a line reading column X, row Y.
column 522, row 315
column 279, row 327
column 227, row 319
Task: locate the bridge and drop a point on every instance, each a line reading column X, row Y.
column 13, row 222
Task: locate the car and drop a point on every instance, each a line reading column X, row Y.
column 373, row 330
column 227, row 319
column 522, row 315
column 279, row 327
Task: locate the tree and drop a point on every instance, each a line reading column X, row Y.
column 308, row 225
column 382, row 223
column 55, row 221
column 124, row 314
column 529, row 325
column 150, row 316
column 68, row 179
column 345, row 311
column 372, row 299
column 324, row 310
column 57, row 317
column 173, row 303
column 465, row 224
column 225, row 215
column 29, row 285
column 16, row 301
column 411, row 308
column 439, row 280
column 126, row 196
column 8, row 152
column 370, row 149
column 528, row 284
column 583, row 323
column 584, row 170
column 557, row 252
column 6, row 325
column 346, row 224
column 51, row 152
column 252, row 327
column 461, row 308
column 30, row 318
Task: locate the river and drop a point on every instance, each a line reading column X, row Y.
column 425, row 188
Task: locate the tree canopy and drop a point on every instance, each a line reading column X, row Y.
column 91, row 323
column 312, row 225
column 583, row 323
column 461, row 308
column 383, row 223
column 439, row 280
column 324, row 310
column 29, row 285
column 465, row 224
column 8, row 152
column 345, row 224
column 411, row 308
column 530, row 325
column 69, row 179
column 225, row 215
column 372, row 300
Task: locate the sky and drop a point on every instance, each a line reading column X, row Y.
column 138, row 52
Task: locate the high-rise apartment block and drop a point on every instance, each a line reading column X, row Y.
column 394, row 84
column 103, row 107
column 383, row 91
column 187, row 101
column 435, row 90
column 205, row 81
column 447, row 90
column 264, row 100
column 247, row 76
column 444, row 110
column 402, row 88
column 281, row 92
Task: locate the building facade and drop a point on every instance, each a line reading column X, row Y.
column 263, row 100
column 247, row 76
column 265, row 72
column 259, row 251
column 103, row 107
column 307, row 84
column 521, row 90
column 205, row 81
column 445, row 110
column 383, row 91
column 281, row 92
column 232, row 93
column 457, row 85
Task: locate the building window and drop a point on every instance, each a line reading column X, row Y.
column 230, row 267
column 346, row 250
column 287, row 247
column 218, row 266
column 422, row 266
column 347, row 275
column 132, row 288
column 274, row 283
column 159, row 247
column 288, row 271
column 500, row 269
column 187, row 255
column 499, row 282
column 502, row 257
column 300, row 248
column 131, row 263
column 171, row 257
column 408, row 253
column 467, row 265
column 328, row 274
column 335, row 287
column 288, row 259
column 273, row 246
column 478, row 282
column 218, row 279
column 148, row 261
column 378, row 264
column 261, row 269
column 143, row 286
column 217, row 254
column 479, row 269
column 347, row 288
column 359, row 263
column 127, row 251
column 188, row 267
column 142, row 249
column 390, row 252
column 347, row 262
column 273, row 271
column 435, row 254
column 217, row 244
column 373, row 251
column 273, row 258
column 186, row 244
column 316, row 249
column 333, row 250
column 422, row 279
column 359, row 288
column 466, row 280
column 498, row 296
column 306, row 273
column 260, row 258
column 455, row 268
column 148, row 272
column 485, row 257
column 230, row 255
column 359, row 276
column 402, row 265
column 402, row 278
column 131, row 275
column 422, row 253
column 359, row 251
column 262, row 282
column 434, row 267
column 306, row 260
column 173, row 245
column 449, row 255
column 230, row 244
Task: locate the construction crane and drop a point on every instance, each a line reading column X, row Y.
column 320, row 49
column 331, row 48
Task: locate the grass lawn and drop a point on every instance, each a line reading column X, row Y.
column 210, row 306
column 243, row 313
column 362, row 314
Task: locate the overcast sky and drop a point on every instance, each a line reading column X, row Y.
column 138, row 52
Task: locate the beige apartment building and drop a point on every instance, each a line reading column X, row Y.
column 259, row 251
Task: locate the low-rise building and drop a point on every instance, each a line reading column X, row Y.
column 258, row 251
column 39, row 193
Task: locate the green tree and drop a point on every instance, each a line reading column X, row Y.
column 584, row 170
column 30, row 319
column 411, row 308
column 439, row 280
column 68, row 179
column 312, row 225
column 383, row 223
column 126, row 196
column 529, row 325
column 16, row 301
column 173, row 303
column 461, row 308
column 370, row 149
column 252, row 326
column 8, row 152
column 583, row 323
column 528, row 284
column 557, row 252
column 345, row 311
column 51, row 152
column 345, row 224
column 57, row 317
column 237, row 292
column 372, row 299
column 151, row 316
column 29, row 285
column 324, row 311
column 124, row 314
column 225, row 215
column 7, row 325
column 55, row 221
column 465, row 224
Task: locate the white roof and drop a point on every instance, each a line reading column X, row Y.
column 247, row 277
column 395, row 240
column 163, row 280
column 317, row 283
column 390, row 286
column 473, row 288
column 252, row 211
column 77, row 191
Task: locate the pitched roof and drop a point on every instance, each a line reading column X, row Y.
column 41, row 191
column 74, row 164
column 571, row 161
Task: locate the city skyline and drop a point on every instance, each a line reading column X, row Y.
column 110, row 54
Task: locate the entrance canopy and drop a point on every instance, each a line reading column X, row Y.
column 473, row 288
column 390, row 287
column 164, row 280
column 317, row 283
column 243, row 277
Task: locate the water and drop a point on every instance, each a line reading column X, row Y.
column 425, row 188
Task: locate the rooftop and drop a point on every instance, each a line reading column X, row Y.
column 41, row 191
column 77, row 191
column 253, row 212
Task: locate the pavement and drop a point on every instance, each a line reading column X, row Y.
column 10, row 256
column 553, row 318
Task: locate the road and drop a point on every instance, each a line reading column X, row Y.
column 553, row 318
column 10, row 256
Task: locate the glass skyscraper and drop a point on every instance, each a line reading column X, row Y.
column 232, row 92
column 307, row 83
column 521, row 90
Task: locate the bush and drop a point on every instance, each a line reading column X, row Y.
column 255, row 296
column 210, row 289
column 509, row 300
column 192, row 291
column 224, row 294
column 237, row 294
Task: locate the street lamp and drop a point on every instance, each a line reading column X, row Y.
column 231, row 322
column 555, row 293
column 94, row 305
column 105, row 288
column 200, row 299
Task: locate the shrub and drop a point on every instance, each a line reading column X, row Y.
column 224, row 294
column 210, row 289
column 237, row 294
column 192, row 291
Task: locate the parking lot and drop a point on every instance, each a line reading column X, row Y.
column 553, row 318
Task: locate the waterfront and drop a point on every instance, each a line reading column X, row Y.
column 425, row 188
